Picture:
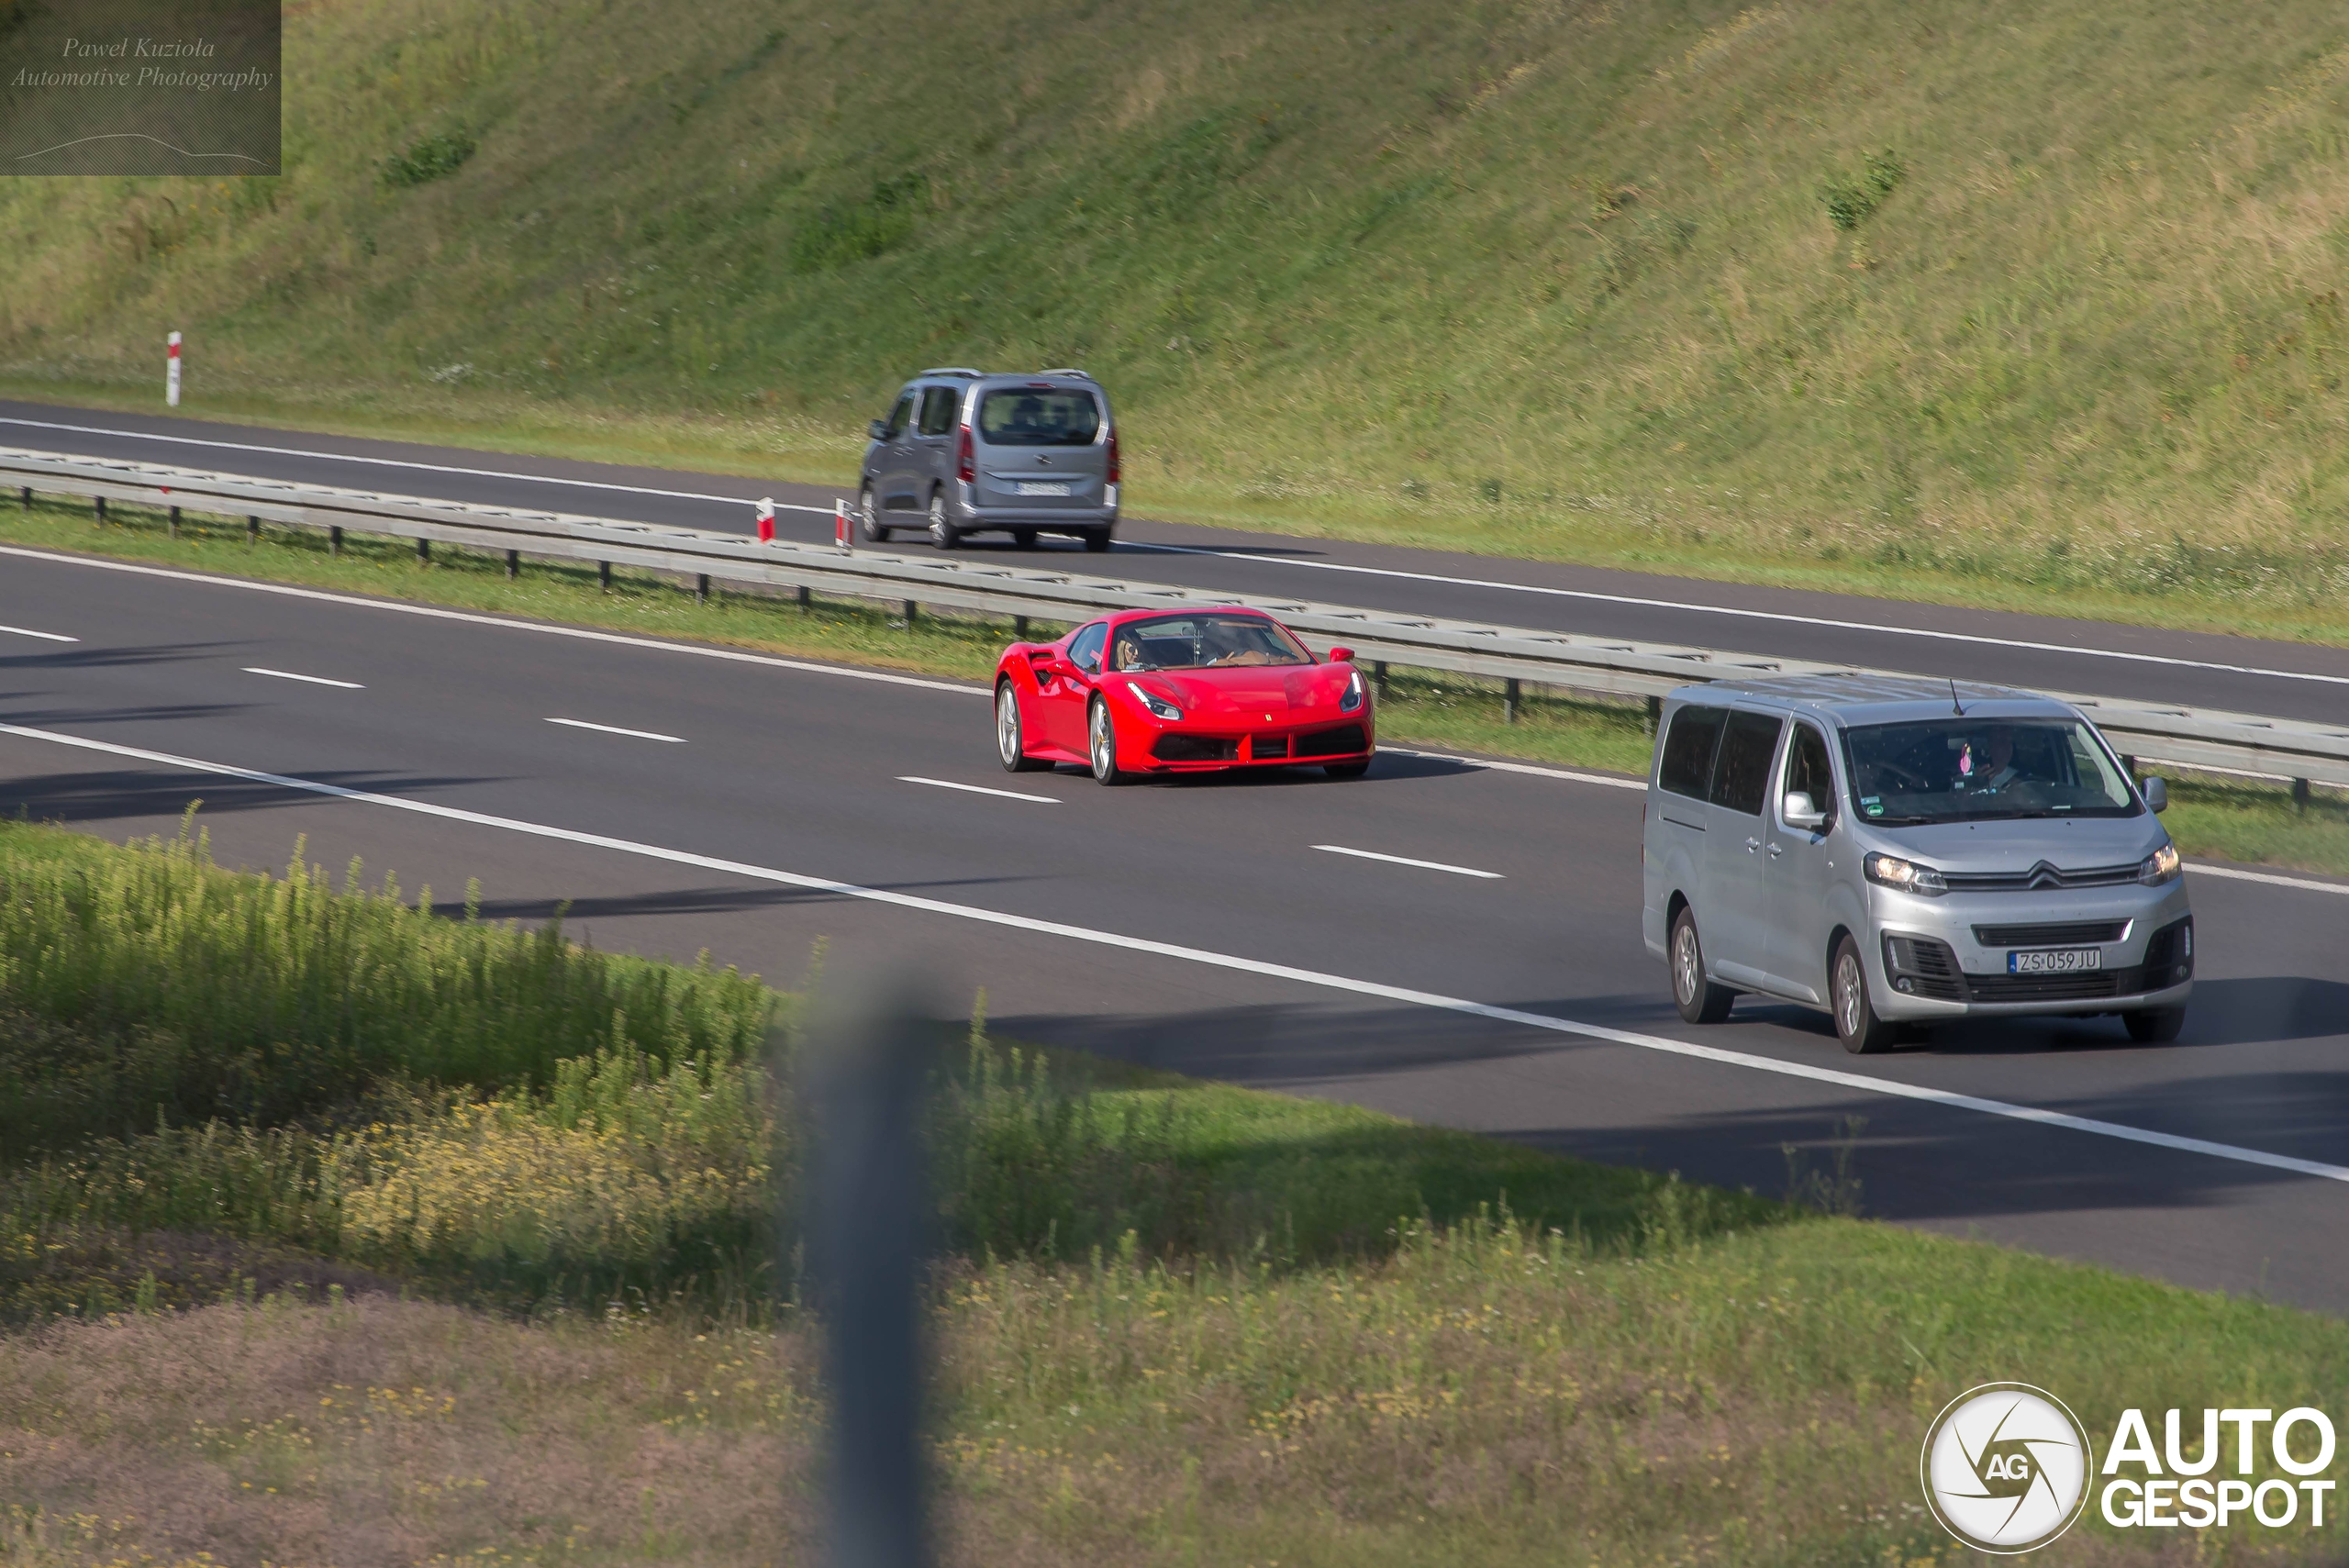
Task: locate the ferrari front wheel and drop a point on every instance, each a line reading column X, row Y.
column 1011, row 735
column 1101, row 735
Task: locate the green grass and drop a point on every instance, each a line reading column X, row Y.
column 2256, row 823
column 1623, row 284
column 1176, row 1322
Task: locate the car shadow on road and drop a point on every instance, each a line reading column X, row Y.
column 78, row 800
column 2236, row 1011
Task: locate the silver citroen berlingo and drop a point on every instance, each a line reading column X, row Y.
column 1898, row 850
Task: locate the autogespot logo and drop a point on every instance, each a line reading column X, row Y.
column 2006, row 1467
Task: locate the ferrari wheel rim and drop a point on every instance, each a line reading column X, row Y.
column 1104, row 749
column 1007, row 724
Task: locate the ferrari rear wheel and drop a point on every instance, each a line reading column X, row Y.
column 1011, row 735
column 1101, row 737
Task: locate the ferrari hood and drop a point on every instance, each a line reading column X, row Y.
column 1249, row 693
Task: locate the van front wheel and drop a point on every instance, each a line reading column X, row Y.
column 1699, row 1000
column 1856, row 1025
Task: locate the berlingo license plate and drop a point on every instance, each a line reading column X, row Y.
column 2055, row 961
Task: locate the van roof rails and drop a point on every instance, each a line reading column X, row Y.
column 1064, row 370
column 952, row 370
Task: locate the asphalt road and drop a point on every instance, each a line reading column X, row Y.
column 1194, row 926
column 2285, row 680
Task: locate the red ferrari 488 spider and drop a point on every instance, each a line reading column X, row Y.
column 1181, row 692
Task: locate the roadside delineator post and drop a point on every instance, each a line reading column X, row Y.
column 171, row 371
column 766, row 520
column 839, row 524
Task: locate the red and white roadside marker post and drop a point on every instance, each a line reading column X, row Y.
column 171, row 371
column 841, row 535
column 766, row 520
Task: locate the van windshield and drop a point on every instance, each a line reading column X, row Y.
column 1972, row 770
column 1033, row 416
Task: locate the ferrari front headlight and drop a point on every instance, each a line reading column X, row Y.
column 1356, row 693
column 1157, row 704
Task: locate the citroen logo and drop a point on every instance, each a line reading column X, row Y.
column 2044, row 875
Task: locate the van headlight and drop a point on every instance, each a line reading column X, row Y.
column 1891, row 871
column 1157, row 704
column 1356, row 693
column 2161, row 866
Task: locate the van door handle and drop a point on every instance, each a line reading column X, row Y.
column 1776, row 850
column 1751, row 845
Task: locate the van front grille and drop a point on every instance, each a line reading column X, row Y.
column 2078, row 987
column 2040, row 878
column 2055, row 934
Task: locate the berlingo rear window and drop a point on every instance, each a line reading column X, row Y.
column 1039, row 416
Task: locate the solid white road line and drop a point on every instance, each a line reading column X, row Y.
column 977, row 789
column 615, row 729
column 397, row 462
column 1943, row 1097
column 1782, row 617
column 2267, row 876
column 1406, row 860
column 44, row 636
column 431, row 612
column 1612, row 780
column 312, row 680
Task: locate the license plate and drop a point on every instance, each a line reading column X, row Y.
column 2055, row 961
column 1043, row 487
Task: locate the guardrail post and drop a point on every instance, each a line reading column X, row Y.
column 806, row 598
column 2129, row 766
column 701, row 588
column 1019, row 629
column 604, row 576
column 1510, row 694
column 912, row 609
column 252, row 530
column 1655, row 715
column 513, row 564
column 98, row 503
column 27, row 497
column 2301, row 794
column 424, row 550
column 175, row 522
column 334, row 539
column 1378, row 675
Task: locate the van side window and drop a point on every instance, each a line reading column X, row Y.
column 897, row 417
column 1688, row 745
column 1741, row 772
column 937, row 410
column 1085, row 651
column 1809, row 771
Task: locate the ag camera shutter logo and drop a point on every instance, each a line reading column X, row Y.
column 2006, row 1467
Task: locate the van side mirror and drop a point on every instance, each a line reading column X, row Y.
column 1799, row 813
column 1342, row 655
column 878, row 429
column 2156, row 794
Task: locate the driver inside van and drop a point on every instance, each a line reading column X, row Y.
column 2001, row 770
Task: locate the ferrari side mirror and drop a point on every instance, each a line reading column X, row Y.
column 1342, row 655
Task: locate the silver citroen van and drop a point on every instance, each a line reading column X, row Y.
column 1896, row 851
column 961, row 451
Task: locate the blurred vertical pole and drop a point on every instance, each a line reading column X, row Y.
column 867, row 1224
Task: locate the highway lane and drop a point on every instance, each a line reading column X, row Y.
column 771, row 767
column 2246, row 674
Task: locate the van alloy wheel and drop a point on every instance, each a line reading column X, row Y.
column 869, row 519
column 942, row 534
column 1699, row 1000
column 1856, row 1024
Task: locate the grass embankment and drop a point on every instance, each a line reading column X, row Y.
column 2240, row 820
column 1176, row 1322
column 2005, row 305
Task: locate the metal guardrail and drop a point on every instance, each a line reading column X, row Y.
column 2249, row 743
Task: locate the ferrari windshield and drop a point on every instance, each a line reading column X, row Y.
column 1204, row 642
column 1968, row 769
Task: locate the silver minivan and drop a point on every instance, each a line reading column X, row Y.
column 963, row 451
column 1896, row 851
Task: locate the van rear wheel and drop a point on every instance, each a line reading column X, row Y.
column 1097, row 541
column 1856, row 1024
column 869, row 519
column 1023, row 538
column 1699, row 1000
